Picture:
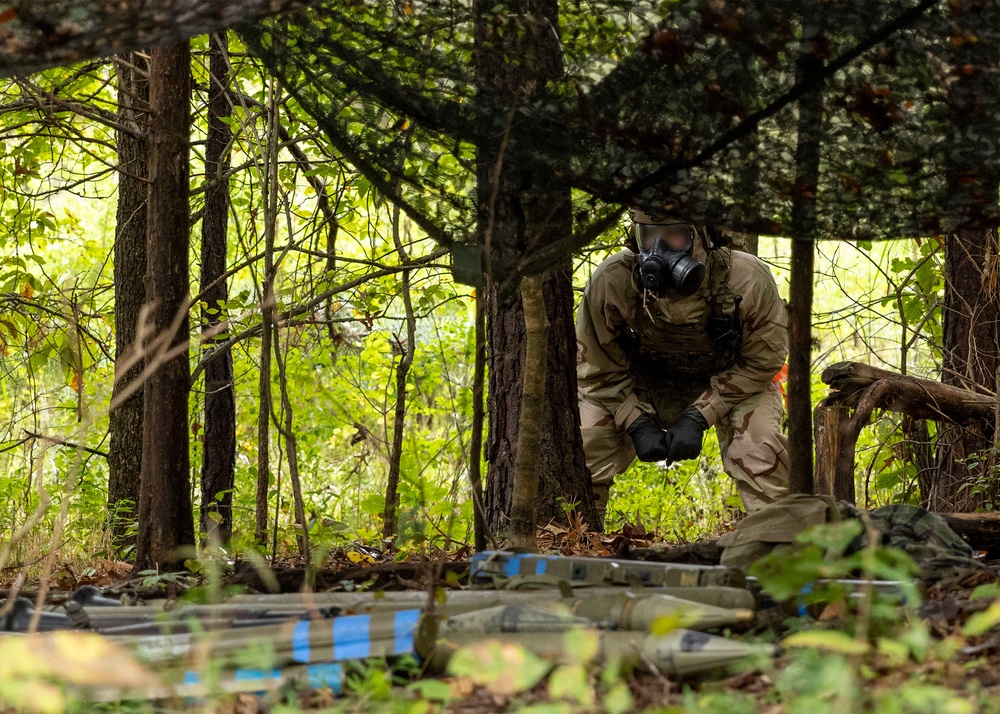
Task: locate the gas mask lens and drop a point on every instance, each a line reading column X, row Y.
column 677, row 236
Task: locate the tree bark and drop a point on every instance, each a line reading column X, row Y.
column 478, row 419
column 920, row 398
column 219, row 450
column 166, row 525
column 920, row 450
column 524, row 505
column 865, row 388
column 391, row 524
column 270, row 200
column 517, row 52
column 563, row 476
column 48, row 33
column 807, row 155
column 125, row 421
column 969, row 362
column 287, row 430
column 966, row 458
column 827, row 421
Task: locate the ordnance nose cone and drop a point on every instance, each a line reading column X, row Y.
column 23, row 612
column 19, row 617
column 90, row 596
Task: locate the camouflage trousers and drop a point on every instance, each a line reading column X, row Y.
column 754, row 451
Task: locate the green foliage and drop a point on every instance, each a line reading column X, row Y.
column 819, row 555
column 881, row 301
column 685, row 501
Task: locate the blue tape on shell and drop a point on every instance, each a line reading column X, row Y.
column 325, row 675
column 350, row 637
column 255, row 675
column 405, row 626
column 512, row 566
column 802, row 610
column 300, row 642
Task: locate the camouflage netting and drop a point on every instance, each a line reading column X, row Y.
column 693, row 106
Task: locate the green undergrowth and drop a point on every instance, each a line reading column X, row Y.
column 842, row 650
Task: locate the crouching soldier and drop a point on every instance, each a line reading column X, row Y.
column 677, row 335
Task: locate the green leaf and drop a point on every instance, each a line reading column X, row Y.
column 501, row 667
column 832, row 537
column 582, row 645
column 373, row 504
column 570, row 682
column 828, row 640
column 431, row 689
column 986, row 591
column 982, row 622
column 618, row 700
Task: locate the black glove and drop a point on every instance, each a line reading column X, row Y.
column 685, row 435
column 651, row 442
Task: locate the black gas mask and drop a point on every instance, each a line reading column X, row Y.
column 663, row 265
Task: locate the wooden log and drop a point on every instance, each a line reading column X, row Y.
column 831, row 481
column 837, row 437
column 980, row 530
column 920, row 398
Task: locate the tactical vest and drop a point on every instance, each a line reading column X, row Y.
column 699, row 349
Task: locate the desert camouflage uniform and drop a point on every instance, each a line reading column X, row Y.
column 656, row 356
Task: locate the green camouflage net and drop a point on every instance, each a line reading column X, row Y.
column 691, row 107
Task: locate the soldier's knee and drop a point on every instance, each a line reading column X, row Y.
column 761, row 464
column 608, row 451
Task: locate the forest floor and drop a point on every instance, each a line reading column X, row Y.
column 966, row 666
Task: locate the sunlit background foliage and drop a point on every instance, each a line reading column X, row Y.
column 875, row 302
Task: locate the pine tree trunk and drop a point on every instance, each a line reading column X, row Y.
column 562, row 470
column 125, row 421
column 517, row 52
column 524, row 506
column 965, row 458
column 166, row 525
column 807, row 155
column 478, row 421
column 219, row 451
column 970, row 362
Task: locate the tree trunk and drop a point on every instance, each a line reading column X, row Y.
column 807, row 155
column 980, row 530
column 920, row 452
column 270, row 200
column 478, row 419
column 969, row 362
column 524, row 501
column 863, row 387
column 125, row 421
column 517, row 52
column 219, row 450
column 166, row 525
column 287, row 430
column 920, row 398
column 391, row 524
column 965, row 458
column 562, row 470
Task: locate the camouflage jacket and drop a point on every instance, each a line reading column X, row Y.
column 612, row 311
